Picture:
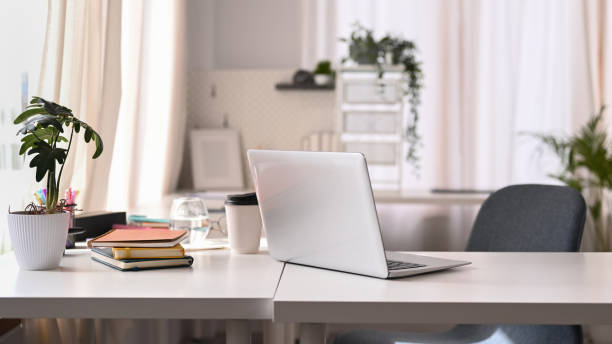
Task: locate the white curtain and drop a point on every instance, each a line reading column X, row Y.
column 126, row 81
column 81, row 70
column 493, row 71
column 120, row 67
column 152, row 118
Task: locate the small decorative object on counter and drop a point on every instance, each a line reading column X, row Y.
column 243, row 223
column 323, row 73
column 303, row 77
column 39, row 233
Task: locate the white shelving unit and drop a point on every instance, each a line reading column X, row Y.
column 371, row 120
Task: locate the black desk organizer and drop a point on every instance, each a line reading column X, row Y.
column 97, row 223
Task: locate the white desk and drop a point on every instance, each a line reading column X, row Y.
column 538, row 288
column 218, row 286
column 215, row 200
column 427, row 197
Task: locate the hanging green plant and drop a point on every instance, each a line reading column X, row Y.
column 365, row 49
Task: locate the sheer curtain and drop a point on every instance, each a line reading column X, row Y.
column 119, row 66
column 80, row 69
column 151, row 125
column 493, row 71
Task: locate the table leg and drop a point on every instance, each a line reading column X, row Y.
column 312, row 333
column 237, row 332
column 273, row 332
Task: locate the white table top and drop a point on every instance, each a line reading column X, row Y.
column 215, row 200
column 219, row 285
column 496, row 288
column 428, row 197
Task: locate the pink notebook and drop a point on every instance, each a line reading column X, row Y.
column 139, row 238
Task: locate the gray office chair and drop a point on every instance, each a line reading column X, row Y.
column 517, row 218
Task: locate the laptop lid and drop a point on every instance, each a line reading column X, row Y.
column 318, row 209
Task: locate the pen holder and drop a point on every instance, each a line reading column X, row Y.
column 243, row 223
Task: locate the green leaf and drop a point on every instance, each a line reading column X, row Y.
column 88, row 134
column 42, row 120
column 51, row 107
column 99, row 145
column 29, row 113
column 77, row 126
column 46, row 134
column 45, row 158
column 28, row 142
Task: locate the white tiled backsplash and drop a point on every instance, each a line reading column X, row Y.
column 266, row 117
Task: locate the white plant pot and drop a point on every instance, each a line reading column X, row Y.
column 322, row 79
column 38, row 240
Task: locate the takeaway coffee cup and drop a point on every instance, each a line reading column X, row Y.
column 243, row 223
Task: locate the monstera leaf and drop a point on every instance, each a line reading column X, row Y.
column 90, row 134
column 41, row 106
column 45, row 158
column 47, row 134
column 42, row 120
column 51, row 107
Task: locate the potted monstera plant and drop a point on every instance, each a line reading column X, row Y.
column 38, row 233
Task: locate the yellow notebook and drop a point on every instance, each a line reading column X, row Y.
column 148, row 252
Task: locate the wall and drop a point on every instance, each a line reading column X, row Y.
column 257, row 34
column 238, row 50
column 239, row 34
column 256, row 43
column 200, row 34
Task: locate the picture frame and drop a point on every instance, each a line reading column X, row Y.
column 216, row 159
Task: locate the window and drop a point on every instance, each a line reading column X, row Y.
column 19, row 66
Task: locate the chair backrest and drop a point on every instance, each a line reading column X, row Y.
column 530, row 218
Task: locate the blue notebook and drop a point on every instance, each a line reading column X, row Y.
column 104, row 255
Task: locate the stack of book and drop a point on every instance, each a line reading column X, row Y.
column 144, row 221
column 140, row 249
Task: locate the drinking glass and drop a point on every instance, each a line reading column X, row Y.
column 190, row 213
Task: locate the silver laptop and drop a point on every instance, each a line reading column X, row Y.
column 318, row 210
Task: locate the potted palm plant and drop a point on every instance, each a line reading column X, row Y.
column 586, row 165
column 38, row 233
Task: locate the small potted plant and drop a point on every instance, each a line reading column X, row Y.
column 38, row 233
column 323, row 73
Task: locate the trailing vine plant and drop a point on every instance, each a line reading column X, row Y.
column 42, row 133
column 365, row 49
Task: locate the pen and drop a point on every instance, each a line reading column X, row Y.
column 38, row 199
column 42, row 196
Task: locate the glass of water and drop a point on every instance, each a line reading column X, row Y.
column 190, row 213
